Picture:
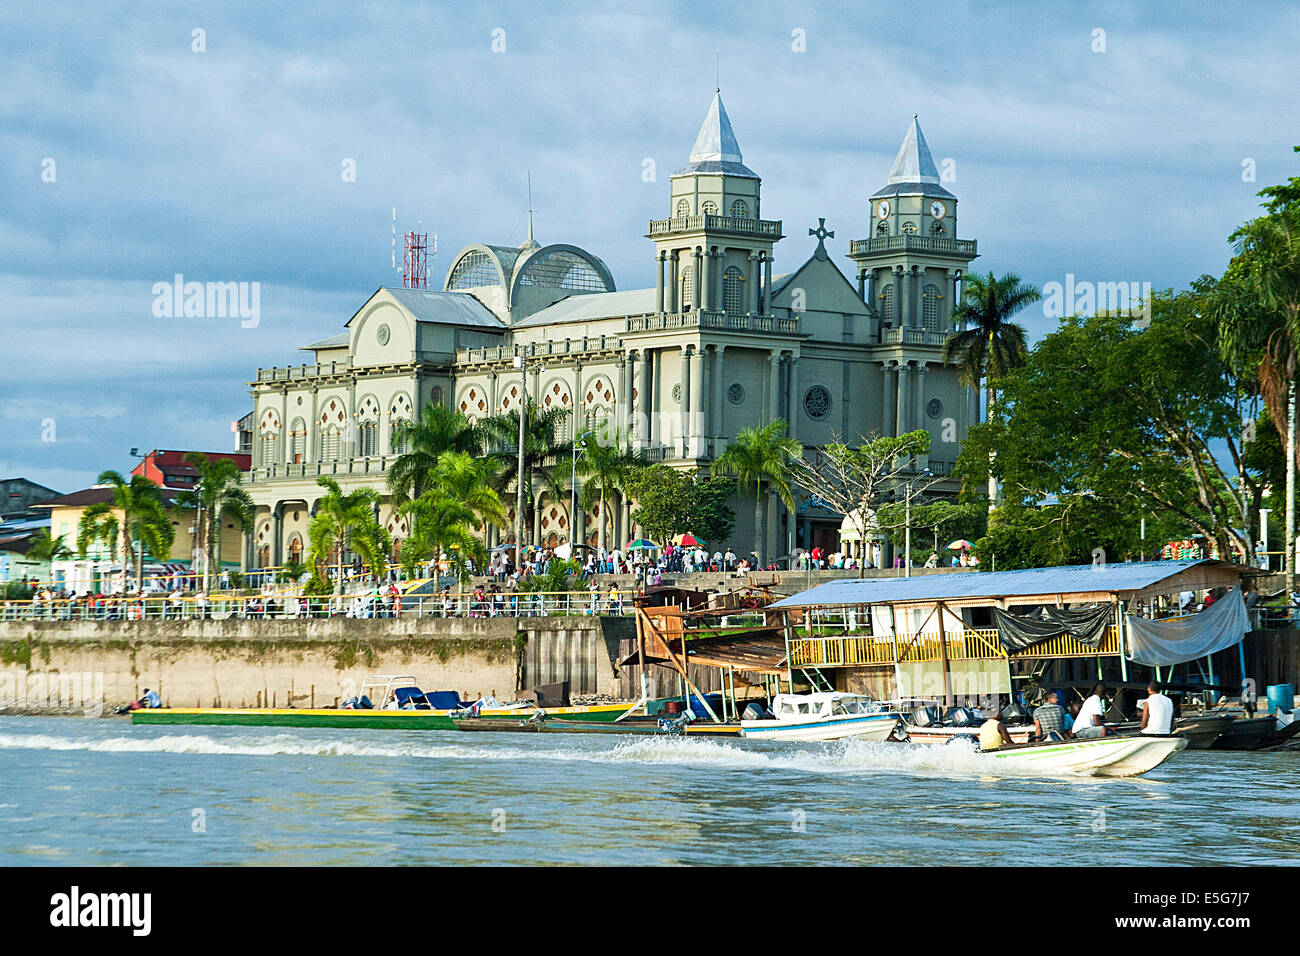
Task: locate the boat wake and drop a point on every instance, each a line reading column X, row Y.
column 838, row 757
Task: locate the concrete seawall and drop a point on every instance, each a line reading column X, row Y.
column 299, row 663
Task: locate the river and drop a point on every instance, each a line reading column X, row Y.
column 101, row 791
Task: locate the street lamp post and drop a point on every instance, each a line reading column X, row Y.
column 1263, row 537
column 519, row 472
column 579, row 442
column 907, row 525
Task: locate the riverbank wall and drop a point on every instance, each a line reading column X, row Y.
column 299, row 663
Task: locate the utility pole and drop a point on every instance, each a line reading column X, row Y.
column 519, row 472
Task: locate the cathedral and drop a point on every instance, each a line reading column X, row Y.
column 721, row 342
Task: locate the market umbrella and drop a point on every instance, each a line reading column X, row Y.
column 687, row 540
column 959, row 544
column 642, row 544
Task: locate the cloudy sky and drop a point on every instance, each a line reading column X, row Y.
column 1113, row 141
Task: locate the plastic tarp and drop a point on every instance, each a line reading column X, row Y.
column 1086, row 625
column 1160, row 643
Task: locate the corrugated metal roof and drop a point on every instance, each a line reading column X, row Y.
column 446, row 308
column 1110, row 577
column 333, row 342
column 591, row 306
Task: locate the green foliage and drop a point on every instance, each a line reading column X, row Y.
column 968, row 520
column 43, row 547
column 606, row 467
column 17, row 591
column 991, row 345
column 559, row 575
column 134, row 512
column 669, row 502
column 1128, row 418
column 759, row 459
column 345, row 521
column 440, row 429
column 217, row 498
column 237, row 579
column 546, row 454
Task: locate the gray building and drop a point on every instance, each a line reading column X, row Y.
column 721, row 342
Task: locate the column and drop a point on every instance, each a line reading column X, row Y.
column 900, row 405
column 684, row 414
column 767, row 283
column 652, row 395
column 950, row 292
column 492, row 394
column 888, row 373
column 641, row 377
column 716, row 272
column 793, row 397
column 906, row 283
column 696, row 278
column 277, row 534
column 623, row 399
column 918, row 398
column 706, row 278
column 579, row 415
column 698, row 402
column 774, row 385
column 673, row 284
column 751, row 291
column 862, row 284
column 659, row 285
column 896, row 319
column 719, row 397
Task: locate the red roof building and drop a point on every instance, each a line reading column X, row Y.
column 170, row 469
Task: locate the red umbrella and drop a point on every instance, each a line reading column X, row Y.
column 687, row 541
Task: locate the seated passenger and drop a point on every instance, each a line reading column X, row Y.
column 1158, row 714
column 993, row 733
column 1049, row 718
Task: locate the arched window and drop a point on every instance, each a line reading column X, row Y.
column 475, row 269
column 298, row 442
column 733, row 291
column 739, row 210
column 936, row 229
column 683, row 208
column 709, row 209
column 887, row 304
column 268, row 433
column 367, row 428
column 930, row 308
column 882, row 229
column 332, row 422
column 909, row 227
column 688, row 288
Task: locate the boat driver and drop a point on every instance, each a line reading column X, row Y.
column 1158, row 713
column 994, row 733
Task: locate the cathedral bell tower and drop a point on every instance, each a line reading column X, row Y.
column 910, row 267
column 714, row 252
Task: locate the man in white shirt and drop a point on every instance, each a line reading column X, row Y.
column 1089, row 722
column 1158, row 714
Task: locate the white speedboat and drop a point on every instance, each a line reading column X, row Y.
column 1098, row 756
column 823, row 716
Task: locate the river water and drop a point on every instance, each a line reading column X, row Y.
column 101, row 791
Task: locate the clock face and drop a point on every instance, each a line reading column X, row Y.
column 383, row 335
column 882, row 209
column 938, row 209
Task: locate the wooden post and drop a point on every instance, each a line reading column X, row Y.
column 1121, row 611
column 789, row 664
column 943, row 655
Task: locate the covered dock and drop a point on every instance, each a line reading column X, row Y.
column 932, row 630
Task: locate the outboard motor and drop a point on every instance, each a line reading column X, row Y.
column 754, row 711
column 1013, row 713
column 960, row 717
column 921, row 717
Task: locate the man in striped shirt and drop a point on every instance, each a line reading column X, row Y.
column 1049, row 717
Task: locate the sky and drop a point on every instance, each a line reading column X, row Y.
column 270, row 144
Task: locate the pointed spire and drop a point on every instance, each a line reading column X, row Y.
column 716, row 141
column 914, row 164
column 530, row 242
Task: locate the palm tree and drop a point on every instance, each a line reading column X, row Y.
column 444, row 525
column 215, row 497
column 757, row 460
column 45, row 548
column 605, row 469
column 469, row 480
column 135, row 512
column 544, row 450
column 346, row 521
column 439, row 429
column 1257, row 305
column 992, row 345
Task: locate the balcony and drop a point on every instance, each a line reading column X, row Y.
column 907, row 336
column 958, row 248
column 298, row 373
column 497, row 354
column 703, row 319
column 769, row 228
column 376, row 465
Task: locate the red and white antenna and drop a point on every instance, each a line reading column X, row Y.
column 415, row 261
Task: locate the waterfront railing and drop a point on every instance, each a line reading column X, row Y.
column 289, row 607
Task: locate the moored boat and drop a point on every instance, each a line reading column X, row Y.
column 287, row 717
column 823, row 716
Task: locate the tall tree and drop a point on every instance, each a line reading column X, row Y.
column 215, row 498
column 135, row 512
column 1145, row 421
column 546, row 454
column 858, row 481
column 1258, row 310
column 606, row 468
column 346, row 521
column 45, row 548
column 439, row 429
column 759, row 459
column 992, row 345
column 669, row 501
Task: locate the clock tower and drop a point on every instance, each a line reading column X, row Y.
column 910, row 267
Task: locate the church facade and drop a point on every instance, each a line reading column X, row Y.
column 719, row 344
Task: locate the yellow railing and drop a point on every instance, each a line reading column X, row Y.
column 970, row 645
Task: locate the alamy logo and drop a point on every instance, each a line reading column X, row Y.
column 1089, row 298
column 75, row 909
column 208, row 300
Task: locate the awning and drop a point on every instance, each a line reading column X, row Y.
column 1161, row 643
